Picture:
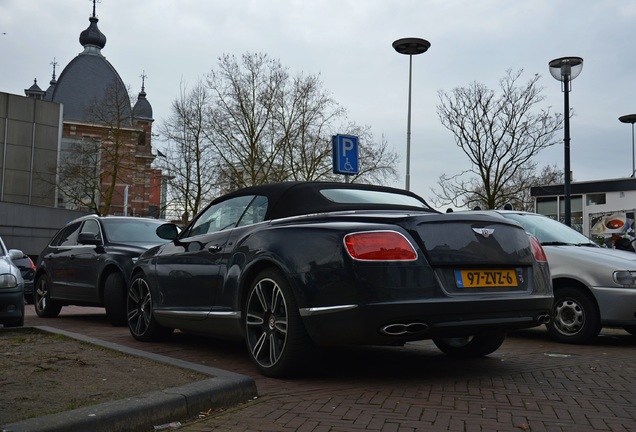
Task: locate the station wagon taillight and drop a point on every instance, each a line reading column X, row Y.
column 379, row 246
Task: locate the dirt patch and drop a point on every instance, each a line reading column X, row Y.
column 44, row 373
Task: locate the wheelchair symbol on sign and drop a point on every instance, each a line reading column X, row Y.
column 348, row 166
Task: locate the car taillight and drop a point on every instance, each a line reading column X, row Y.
column 537, row 250
column 379, row 246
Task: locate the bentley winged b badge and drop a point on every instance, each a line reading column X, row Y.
column 485, row 232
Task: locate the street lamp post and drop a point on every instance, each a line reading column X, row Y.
column 565, row 69
column 630, row 118
column 410, row 47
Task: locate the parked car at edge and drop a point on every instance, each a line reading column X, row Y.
column 293, row 266
column 594, row 287
column 89, row 263
column 27, row 270
column 11, row 288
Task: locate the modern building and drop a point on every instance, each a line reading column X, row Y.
column 600, row 209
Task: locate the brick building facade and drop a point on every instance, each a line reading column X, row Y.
column 124, row 143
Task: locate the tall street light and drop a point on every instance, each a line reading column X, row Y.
column 410, row 47
column 565, row 69
column 630, row 118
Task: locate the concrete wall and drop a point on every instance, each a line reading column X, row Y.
column 30, row 133
column 29, row 228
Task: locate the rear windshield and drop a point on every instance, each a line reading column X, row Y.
column 358, row 196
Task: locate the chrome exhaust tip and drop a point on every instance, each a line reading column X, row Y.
column 401, row 329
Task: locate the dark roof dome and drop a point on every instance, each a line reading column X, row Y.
column 142, row 109
column 90, row 80
column 92, row 35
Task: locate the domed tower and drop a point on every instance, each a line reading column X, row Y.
column 102, row 131
column 89, row 80
column 142, row 114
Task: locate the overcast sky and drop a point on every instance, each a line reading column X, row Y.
column 348, row 42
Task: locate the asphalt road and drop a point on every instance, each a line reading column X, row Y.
column 530, row 383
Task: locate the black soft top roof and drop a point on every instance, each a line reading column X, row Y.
column 298, row 198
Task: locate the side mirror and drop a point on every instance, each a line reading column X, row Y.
column 15, row 254
column 89, row 239
column 167, row 231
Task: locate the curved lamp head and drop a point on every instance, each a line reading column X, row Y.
column 629, row 118
column 411, row 46
column 566, row 68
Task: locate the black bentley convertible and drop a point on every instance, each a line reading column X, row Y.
column 290, row 267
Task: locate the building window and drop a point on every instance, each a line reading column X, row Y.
column 548, row 207
column 141, row 139
column 595, row 199
column 554, row 207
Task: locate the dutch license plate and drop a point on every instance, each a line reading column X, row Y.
column 485, row 278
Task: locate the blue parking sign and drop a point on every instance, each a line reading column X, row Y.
column 345, row 154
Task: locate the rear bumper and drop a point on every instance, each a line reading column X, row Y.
column 390, row 323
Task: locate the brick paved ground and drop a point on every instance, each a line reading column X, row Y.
column 530, row 383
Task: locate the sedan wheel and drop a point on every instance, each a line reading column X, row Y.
column 471, row 346
column 575, row 317
column 275, row 335
column 141, row 320
column 44, row 306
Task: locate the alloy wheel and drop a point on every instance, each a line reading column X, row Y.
column 266, row 322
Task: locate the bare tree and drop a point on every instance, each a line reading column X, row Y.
column 78, row 173
column 241, row 121
column 500, row 134
column 268, row 126
column 517, row 191
column 190, row 162
column 92, row 167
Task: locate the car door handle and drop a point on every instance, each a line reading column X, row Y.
column 215, row 248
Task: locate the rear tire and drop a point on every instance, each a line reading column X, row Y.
column 141, row 321
column 115, row 299
column 274, row 332
column 44, row 306
column 478, row 345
